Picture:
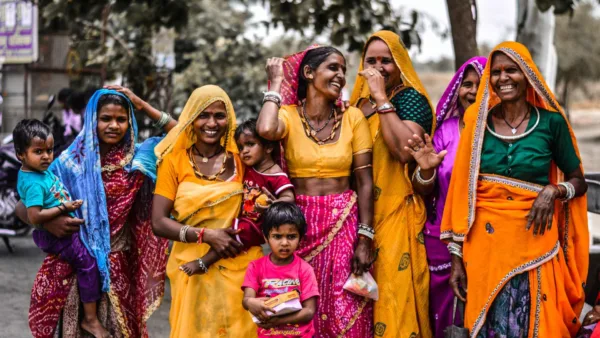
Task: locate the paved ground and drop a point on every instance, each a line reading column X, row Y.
column 18, row 270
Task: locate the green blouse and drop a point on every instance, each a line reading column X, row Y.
column 412, row 106
column 528, row 159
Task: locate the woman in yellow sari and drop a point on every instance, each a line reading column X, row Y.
column 199, row 184
column 514, row 150
column 396, row 105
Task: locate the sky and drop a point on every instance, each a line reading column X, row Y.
column 496, row 23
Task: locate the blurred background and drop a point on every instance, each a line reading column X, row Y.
column 164, row 49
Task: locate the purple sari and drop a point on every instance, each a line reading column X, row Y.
column 446, row 137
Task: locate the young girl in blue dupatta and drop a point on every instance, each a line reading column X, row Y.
column 113, row 175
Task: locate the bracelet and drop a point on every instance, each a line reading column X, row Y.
column 366, row 230
column 273, row 93
column 272, row 99
column 202, row 265
column 423, row 181
column 386, row 111
column 200, row 236
column 183, row 233
column 162, row 121
column 61, row 207
column 362, row 167
column 570, row 191
column 455, row 249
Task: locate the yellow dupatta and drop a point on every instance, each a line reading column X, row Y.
column 557, row 262
column 207, row 305
column 401, row 268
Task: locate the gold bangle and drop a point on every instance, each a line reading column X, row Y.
column 364, row 151
column 362, row 167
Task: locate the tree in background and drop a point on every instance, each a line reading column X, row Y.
column 463, row 23
column 578, row 45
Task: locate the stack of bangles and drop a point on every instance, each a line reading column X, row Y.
column 162, row 121
column 455, row 249
column 200, row 236
column 366, row 230
column 423, row 181
column 183, row 233
column 272, row 96
column 570, row 191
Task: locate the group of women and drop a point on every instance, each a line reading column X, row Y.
column 495, row 197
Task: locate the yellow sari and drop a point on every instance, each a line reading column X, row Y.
column 208, row 305
column 488, row 213
column 401, row 269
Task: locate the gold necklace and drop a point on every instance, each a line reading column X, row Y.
column 200, row 174
column 307, row 128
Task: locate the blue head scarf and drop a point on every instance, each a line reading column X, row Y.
column 80, row 170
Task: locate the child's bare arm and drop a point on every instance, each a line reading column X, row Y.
column 309, row 308
column 256, row 306
column 38, row 216
column 286, row 196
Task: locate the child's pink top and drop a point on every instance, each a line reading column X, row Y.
column 270, row 280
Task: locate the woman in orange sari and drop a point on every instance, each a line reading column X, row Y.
column 516, row 209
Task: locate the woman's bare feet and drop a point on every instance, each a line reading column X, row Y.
column 191, row 268
column 95, row 328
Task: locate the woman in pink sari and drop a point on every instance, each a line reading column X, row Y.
column 458, row 96
column 323, row 146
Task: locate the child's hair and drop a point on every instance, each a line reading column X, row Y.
column 280, row 213
column 250, row 126
column 26, row 130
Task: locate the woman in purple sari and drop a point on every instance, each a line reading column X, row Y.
column 459, row 95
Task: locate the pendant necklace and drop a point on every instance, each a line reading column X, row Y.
column 206, row 158
column 514, row 129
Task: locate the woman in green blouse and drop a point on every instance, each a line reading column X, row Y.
column 517, row 236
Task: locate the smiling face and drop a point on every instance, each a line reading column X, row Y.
column 507, row 79
column 283, row 241
column 113, row 123
column 330, row 76
column 468, row 88
column 379, row 56
column 39, row 154
column 211, row 124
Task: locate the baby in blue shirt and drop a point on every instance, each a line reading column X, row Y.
column 46, row 198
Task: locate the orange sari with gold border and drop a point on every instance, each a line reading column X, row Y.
column 556, row 262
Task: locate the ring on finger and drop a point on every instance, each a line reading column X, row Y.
column 371, row 73
column 416, row 148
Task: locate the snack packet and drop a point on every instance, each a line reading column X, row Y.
column 283, row 304
column 363, row 285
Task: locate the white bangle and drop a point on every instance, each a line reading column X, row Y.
column 273, row 93
column 455, row 249
column 570, row 190
column 366, row 233
column 162, row 121
column 183, row 233
column 423, row 181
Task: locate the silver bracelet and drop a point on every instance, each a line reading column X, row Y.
column 570, row 190
column 455, row 249
column 162, row 121
column 273, row 94
column 183, row 233
column 366, row 233
column 202, row 265
column 272, row 99
column 423, row 181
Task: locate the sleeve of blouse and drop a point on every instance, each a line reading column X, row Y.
column 361, row 134
column 166, row 180
column 284, row 117
column 563, row 150
column 438, row 139
column 412, row 106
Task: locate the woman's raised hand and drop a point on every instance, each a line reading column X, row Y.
column 274, row 69
column 376, row 83
column 135, row 100
column 223, row 241
column 424, row 153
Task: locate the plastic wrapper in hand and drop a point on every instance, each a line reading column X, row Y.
column 363, row 285
column 283, row 304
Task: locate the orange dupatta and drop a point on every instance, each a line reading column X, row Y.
column 488, row 212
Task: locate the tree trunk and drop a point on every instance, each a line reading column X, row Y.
column 565, row 95
column 463, row 24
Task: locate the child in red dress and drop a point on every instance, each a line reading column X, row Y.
column 280, row 272
column 264, row 183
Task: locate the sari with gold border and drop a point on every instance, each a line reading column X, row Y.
column 488, row 213
column 401, row 267
column 208, row 305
